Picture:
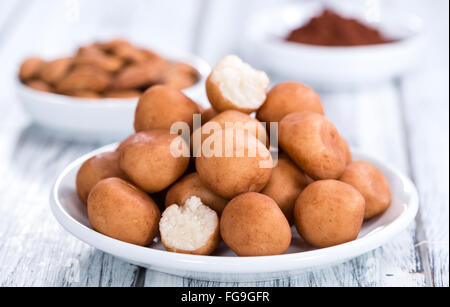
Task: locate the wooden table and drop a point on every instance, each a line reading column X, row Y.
column 404, row 122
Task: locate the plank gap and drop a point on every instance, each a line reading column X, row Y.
column 139, row 280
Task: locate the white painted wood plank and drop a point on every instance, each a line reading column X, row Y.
column 425, row 98
column 426, row 101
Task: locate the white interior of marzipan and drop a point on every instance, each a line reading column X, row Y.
column 188, row 227
column 238, row 82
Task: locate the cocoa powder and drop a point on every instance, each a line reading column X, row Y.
column 331, row 29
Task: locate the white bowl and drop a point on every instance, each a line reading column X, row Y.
column 225, row 265
column 332, row 67
column 106, row 119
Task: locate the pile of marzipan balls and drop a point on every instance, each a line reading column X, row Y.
column 314, row 185
column 113, row 69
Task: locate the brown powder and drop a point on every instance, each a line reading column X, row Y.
column 331, row 29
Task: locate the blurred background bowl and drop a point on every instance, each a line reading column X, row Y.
column 105, row 119
column 333, row 67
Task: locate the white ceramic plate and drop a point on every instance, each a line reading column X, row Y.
column 224, row 264
column 106, row 119
column 332, row 67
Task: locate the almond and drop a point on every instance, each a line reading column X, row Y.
column 86, row 94
column 112, row 45
column 179, row 81
column 54, row 71
column 131, row 54
column 108, row 63
column 31, row 68
column 180, row 76
column 39, row 85
column 84, row 78
column 138, row 76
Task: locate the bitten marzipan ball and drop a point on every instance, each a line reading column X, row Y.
column 235, row 85
column 191, row 228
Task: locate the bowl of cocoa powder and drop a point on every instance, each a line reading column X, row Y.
column 334, row 47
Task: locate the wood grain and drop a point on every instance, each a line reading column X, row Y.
column 426, row 112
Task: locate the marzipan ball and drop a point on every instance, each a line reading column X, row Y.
column 155, row 160
column 285, row 184
column 231, row 119
column 235, row 85
column 161, row 106
column 208, row 114
column 119, row 210
column 191, row 228
column 314, row 144
column 252, row 224
column 135, row 138
column 328, row 213
column 237, row 163
column 39, row 85
column 286, row 98
column 372, row 184
column 191, row 185
column 100, row 167
column 348, row 153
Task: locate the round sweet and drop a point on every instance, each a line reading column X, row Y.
column 235, row 85
column 208, row 114
column 252, row 224
column 102, row 166
column 229, row 119
column 286, row 98
column 285, row 184
column 372, row 184
column 235, row 163
column 119, row 210
column 348, row 153
column 328, row 213
column 314, row 144
column 191, row 185
column 191, row 228
column 154, row 160
column 162, row 106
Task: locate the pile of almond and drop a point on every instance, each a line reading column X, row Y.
column 113, row 69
